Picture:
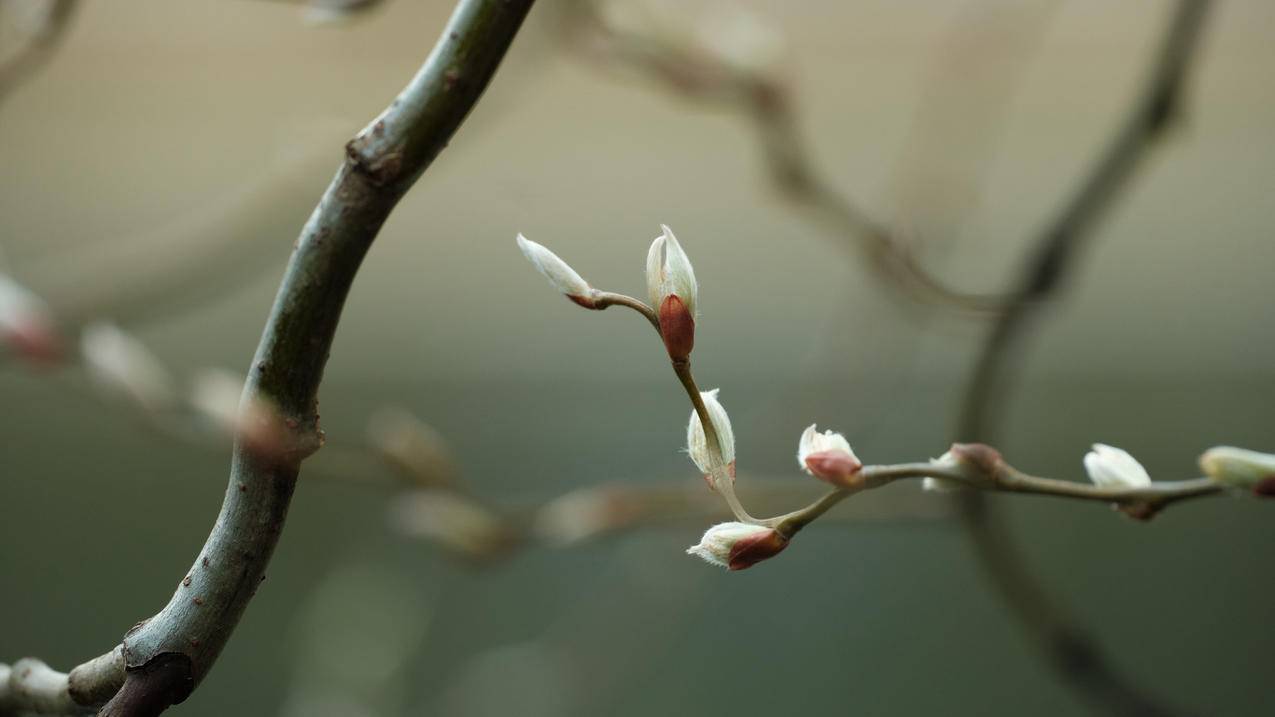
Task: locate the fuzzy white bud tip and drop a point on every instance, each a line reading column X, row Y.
column 1111, row 467
column 669, row 272
column 737, row 546
column 697, row 445
column 1240, row 468
column 827, row 456
column 558, row 272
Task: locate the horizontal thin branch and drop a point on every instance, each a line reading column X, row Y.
column 997, row 476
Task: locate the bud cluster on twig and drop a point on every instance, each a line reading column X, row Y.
column 1117, row 477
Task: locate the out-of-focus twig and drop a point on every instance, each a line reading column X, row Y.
column 45, row 39
column 724, row 74
column 1072, row 652
column 484, row 533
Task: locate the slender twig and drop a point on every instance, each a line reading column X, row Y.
column 30, row 686
column 1073, row 653
column 167, row 655
column 485, row 533
column 1142, row 503
column 40, row 48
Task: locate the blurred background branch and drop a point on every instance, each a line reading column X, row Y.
column 1068, row 644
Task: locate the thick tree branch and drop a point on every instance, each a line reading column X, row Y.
column 169, row 654
column 1063, row 239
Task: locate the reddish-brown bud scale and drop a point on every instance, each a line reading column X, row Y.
column 749, row 551
column 677, row 327
column 1265, row 487
column 986, row 459
column 587, row 302
column 835, row 467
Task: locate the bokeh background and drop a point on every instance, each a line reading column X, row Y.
column 963, row 124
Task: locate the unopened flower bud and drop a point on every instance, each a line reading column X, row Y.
column 453, row 520
column 1111, row 467
column 587, row 513
column 558, row 272
column 120, row 363
column 706, row 457
column 827, row 456
column 737, row 546
column 671, row 287
column 412, row 447
column 26, row 324
column 977, row 462
column 1240, row 468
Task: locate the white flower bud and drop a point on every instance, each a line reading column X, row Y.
column 558, row 272
column 738, row 545
column 697, row 443
column 1237, row 467
column 120, row 363
column 1111, row 467
column 827, row 456
column 669, row 272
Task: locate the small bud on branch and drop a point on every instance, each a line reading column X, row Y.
column 828, row 457
column 1111, row 467
column 737, row 546
column 558, row 272
column 1240, row 468
column 711, row 460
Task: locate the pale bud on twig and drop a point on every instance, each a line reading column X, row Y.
column 673, row 291
column 737, row 546
column 26, row 323
column 558, row 272
column 412, row 446
column 977, row 462
column 1111, row 467
column 586, row 513
column 121, row 364
column 1240, row 468
column 452, row 520
column 706, row 457
column 827, row 456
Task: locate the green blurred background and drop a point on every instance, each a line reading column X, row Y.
column 963, row 123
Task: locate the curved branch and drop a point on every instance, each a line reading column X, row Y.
column 167, row 655
column 1073, row 653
